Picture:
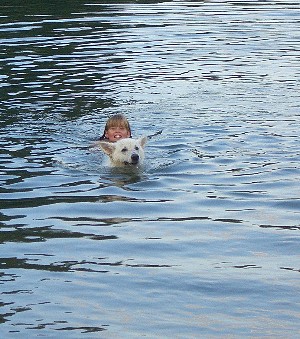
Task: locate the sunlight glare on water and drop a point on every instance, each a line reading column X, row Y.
column 203, row 241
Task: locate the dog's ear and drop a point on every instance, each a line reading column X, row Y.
column 143, row 141
column 107, row 147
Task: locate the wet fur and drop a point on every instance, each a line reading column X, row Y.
column 125, row 152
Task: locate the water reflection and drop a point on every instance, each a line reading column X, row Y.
column 74, row 66
column 43, row 75
column 45, row 233
column 212, row 219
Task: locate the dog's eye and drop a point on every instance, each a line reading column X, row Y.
column 124, row 150
column 136, row 148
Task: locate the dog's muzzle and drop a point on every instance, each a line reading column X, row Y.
column 134, row 160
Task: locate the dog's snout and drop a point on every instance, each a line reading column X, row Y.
column 135, row 158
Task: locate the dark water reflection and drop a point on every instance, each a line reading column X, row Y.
column 204, row 241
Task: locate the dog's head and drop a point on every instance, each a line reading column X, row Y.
column 125, row 151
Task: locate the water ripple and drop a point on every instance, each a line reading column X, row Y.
column 206, row 236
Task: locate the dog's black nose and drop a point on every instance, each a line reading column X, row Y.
column 135, row 158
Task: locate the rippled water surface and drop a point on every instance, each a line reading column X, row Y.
column 203, row 242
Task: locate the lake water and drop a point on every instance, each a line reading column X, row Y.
column 203, row 242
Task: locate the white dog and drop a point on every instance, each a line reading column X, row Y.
column 126, row 151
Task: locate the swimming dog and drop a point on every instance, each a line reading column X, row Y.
column 125, row 151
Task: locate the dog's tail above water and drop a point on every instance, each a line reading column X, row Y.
column 154, row 135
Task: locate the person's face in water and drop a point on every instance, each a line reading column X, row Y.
column 115, row 133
